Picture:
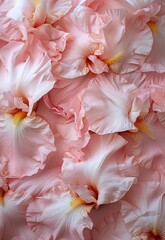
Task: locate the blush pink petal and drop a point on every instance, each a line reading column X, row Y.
column 56, row 9
column 88, row 20
column 53, row 40
column 26, row 144
column 107, row 224
column 65, row 99
column 3, row 174
column 12, row 30
column 157, row 90
column 41, row 182
column 78, row 56
column 111, row 104
column 147, row 143
column 158, row 96
column 155, row 61
column 107, row 171
column 28, row 76
column 145, row 9
column 66, row 95
column 39, row 12
column 142, row 210
column 54, row 216
column 13, row 220
column 127, row 43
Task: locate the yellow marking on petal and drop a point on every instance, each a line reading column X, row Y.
column 1, row 196
column 36, row 2
column 1, row 200
column 18, row 117
column 153, row 26
column 155, row 231
column 115, row 59
column 76, row 202
column 145, row 129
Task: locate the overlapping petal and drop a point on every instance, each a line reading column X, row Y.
column 112, row 104
column 13, row 219
column 108, row 171
column 123, row 52
column 59, row 215
column 142, row 213
column 25, row 144
column 28, row 76
column 39, row 12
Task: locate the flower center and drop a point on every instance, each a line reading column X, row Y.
column 115, row 59
column 154, row 235
column 2, row 192
column 76, row 202
column 143, row 127
column 19, row 116
column 153, row 26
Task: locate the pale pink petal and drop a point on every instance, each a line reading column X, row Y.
column 66, row 100
column 107, row 171
column 13, row 220
column 96, row 65
column 12, row 30
column 32, row 71
column 21, row 9
column 127, row 42
column 58, row 215
column 107, row 224
column 112, row 104
column 53, row 40
column 157, row 88
column 78, row 57
column 73, row 131
column 26, row 144
column 40, row 182
column 65, row 95
column 147, row 143
column 142, row 210
column 145, row 9
column 56, row 9
column 158, row 96
column 88, row 20
column 155, row 61
column 39, row 12
column 3, row 174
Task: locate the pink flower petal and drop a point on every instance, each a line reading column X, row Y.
column 26, row 144
column 127, row 42
column 13, row 221
column 112, row 104
column 58, row 215
column 107, row 171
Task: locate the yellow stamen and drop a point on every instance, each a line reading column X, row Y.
column 153, row 26
column 36, row 2
column 18, row 117
column 76, row 202
column 145, row 129
column 115, row 59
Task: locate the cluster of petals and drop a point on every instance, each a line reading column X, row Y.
column 82, row 120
